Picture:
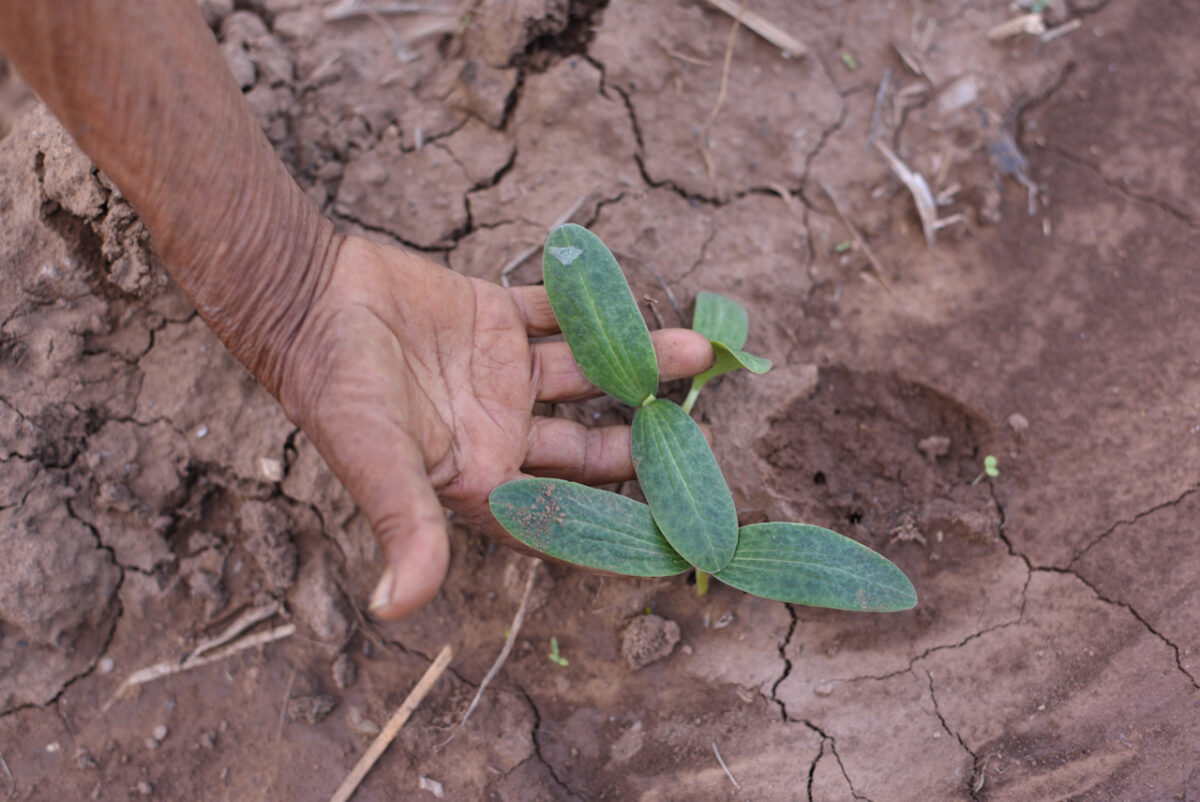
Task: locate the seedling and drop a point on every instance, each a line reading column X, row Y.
column 991, row 469
column 554, row 656
column 690, row 520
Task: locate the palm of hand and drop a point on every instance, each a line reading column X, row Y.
column 418, row 384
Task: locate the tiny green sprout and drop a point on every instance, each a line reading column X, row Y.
column 991, row 469
column 690, row 520
column 554, row 656
column 849, row 60
column 843, row 246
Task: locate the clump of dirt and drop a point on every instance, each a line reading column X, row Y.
column 648, row 638
column 57, row 596
column 267, row 533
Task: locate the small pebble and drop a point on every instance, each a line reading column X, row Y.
column 934, row 446
column 345, row 672
column 360, row 724
column 310, row 708
column 208, row 739
column 144, row 788
column 202, row 432
column 1018, row 422
column 824, row 689
column 106, row 665
column 84, row 759
column 271, row 469
column 152, row 743
column 53, row 747
column 432, row 786
column 160, row 732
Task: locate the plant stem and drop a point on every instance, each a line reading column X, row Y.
column 690, row 401
column 701, row 583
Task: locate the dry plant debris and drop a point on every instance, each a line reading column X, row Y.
column 762, row 26
column 393, row 727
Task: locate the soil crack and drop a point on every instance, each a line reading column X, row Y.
column 787, row 670
column 1120, row 187
column 114, row 620
column 978, row 769
column 394, row 237
column 1130, row 522
column 537, row 746
column 1138, row 616
column 826, row 738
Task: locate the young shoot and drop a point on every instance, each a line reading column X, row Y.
column 991, row 469
column 554, row 655
column 690, row 521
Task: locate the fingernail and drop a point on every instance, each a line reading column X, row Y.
column 382, row 596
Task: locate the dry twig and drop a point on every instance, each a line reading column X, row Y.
column 1061, row 30
column 876, row 265
column 885, row 84
column 763, row 27
column 728, row 773
column 166, row 669
column 12, row 791
column 716, row 109
column 1026, row 23
column 520, row 258
column 239, row 625
column 922, row 195
column 513, row 629
column 349, row 9
column 287, row 695
column 392, row 728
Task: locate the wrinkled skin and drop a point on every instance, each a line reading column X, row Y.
column 418, row 384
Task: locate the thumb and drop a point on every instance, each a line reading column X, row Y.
column 408, row 520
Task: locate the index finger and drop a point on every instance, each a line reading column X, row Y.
column 534, row 307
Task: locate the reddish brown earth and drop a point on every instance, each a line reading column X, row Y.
column 150, row 491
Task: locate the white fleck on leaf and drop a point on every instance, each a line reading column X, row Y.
column 567, row 254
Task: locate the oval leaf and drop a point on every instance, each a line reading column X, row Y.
column 725, row 323
column 806, row 564
column 728, row 359
column 585, row 526
column 688, row 496
column 720, row 319
column 598, row 316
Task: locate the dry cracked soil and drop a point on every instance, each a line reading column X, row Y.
column 151, row 492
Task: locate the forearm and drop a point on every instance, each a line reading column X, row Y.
column 145, row 92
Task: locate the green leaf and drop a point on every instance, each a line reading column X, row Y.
column 728, row 359
column 724, row 322
column 687, row 493
column 598, row 315
column 585, row 526
column 806, row 564
column 720, row 319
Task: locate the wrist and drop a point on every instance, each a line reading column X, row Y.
column 257, row 284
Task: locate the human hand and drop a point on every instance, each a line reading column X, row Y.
column 417, row 385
